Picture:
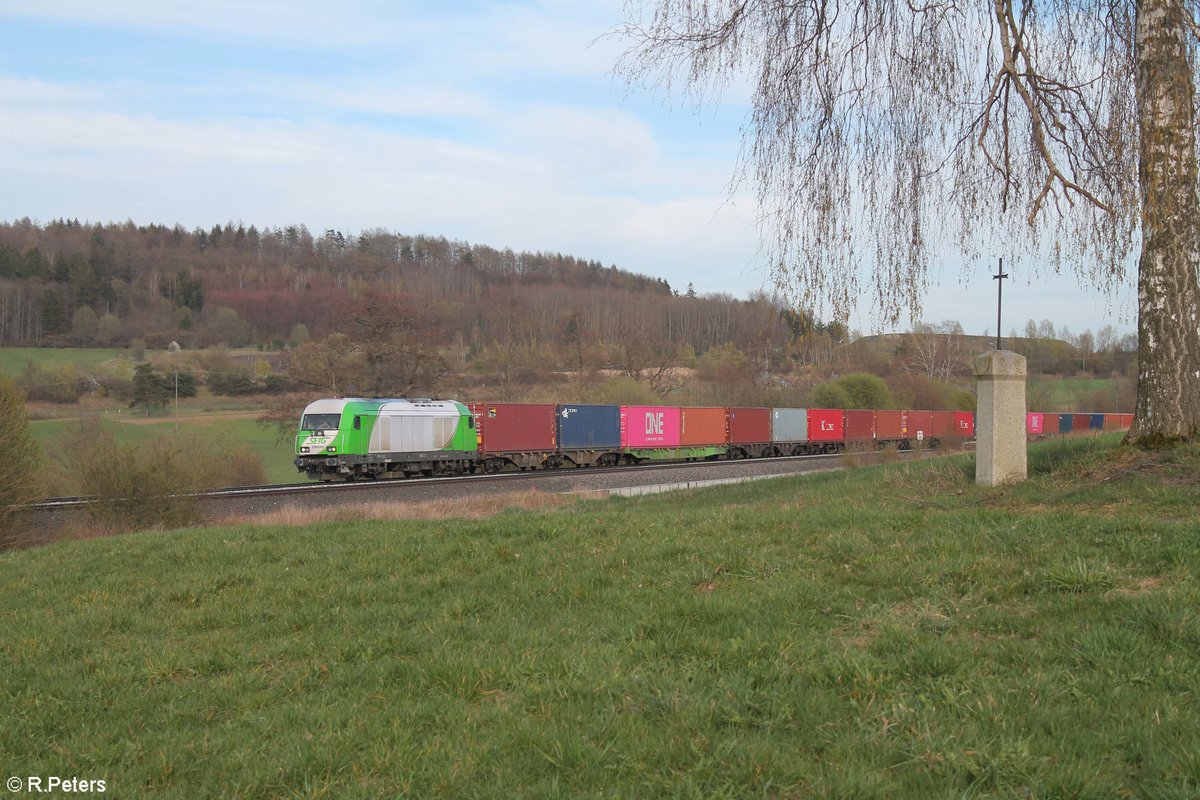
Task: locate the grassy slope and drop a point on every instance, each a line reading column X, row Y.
column 889, row 632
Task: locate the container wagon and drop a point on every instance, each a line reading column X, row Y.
column 517, row 434
column 789, row 431
column 750, row 432
column 588, row 435
column 826, row 430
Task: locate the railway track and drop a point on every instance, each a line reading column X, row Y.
column 503, row 481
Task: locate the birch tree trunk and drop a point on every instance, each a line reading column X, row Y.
column 1168, row 404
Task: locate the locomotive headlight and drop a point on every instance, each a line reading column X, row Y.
column 303, row 449
column 333, row 449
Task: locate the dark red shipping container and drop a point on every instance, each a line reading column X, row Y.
column 702, row 426
column 749, row 426
column 826, row 425
column 918, row 425
column 889, row 425
column 943, row 425
column 515, row 427
column 1112, row 422
column 1080, row 422
column 860, row 425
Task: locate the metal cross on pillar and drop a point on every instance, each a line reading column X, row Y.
column 999, row 279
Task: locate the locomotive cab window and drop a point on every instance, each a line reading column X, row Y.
column 470, row 422
column 358, row 423
column 320, row 422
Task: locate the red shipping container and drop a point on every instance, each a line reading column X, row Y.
column 918, row 425
column 702, row 426
column 943, row 425
column 889, row 425
column 964, row 424
column 650, row 426
column 1081, row 422
column 826, row 425
column 1112, row 422
column 860, row 425
column 1126, row 421
column 749, row 426
column 515, row 427
column 1035, row 423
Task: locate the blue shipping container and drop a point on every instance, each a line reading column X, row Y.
column 589, row 427
column 1096, row 422
column 1064, row 423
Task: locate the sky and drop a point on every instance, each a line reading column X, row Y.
column 497, row 122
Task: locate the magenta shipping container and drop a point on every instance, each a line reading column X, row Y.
column 649, row 426
column 749, row 425
column 1035, row 423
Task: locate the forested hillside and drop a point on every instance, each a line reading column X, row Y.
column 238, row 285
column 384, row 313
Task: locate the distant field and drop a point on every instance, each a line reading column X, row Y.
column 1075, row 394
column 236, row 429
column 14, row 359
column 892, row 632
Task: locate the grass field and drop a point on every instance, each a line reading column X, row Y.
column 237, row 429
column 1075, row 393
column 89, row 359
column 14, row 359
column 891, row 632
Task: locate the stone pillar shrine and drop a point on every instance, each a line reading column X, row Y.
column 1000, row 455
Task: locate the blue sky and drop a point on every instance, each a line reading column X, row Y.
column 492, row 122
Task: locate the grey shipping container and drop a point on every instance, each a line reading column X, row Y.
column 589, row 427
column 789, row 425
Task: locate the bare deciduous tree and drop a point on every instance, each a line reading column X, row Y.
column 936, row 351
column 1063, row 126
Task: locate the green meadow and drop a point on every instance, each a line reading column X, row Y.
column 129, row 427
column 14, row 359
column 884, row 632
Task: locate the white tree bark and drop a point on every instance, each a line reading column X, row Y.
column 1168, row 405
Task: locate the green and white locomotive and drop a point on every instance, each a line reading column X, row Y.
column 353, row 438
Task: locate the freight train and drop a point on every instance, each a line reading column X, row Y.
column 358, row 438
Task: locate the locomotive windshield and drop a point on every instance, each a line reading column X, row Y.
column 319, row 422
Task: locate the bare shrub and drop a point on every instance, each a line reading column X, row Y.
column 150, row 483
column 857, row 454
column 21, row 465
column 888, row 454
